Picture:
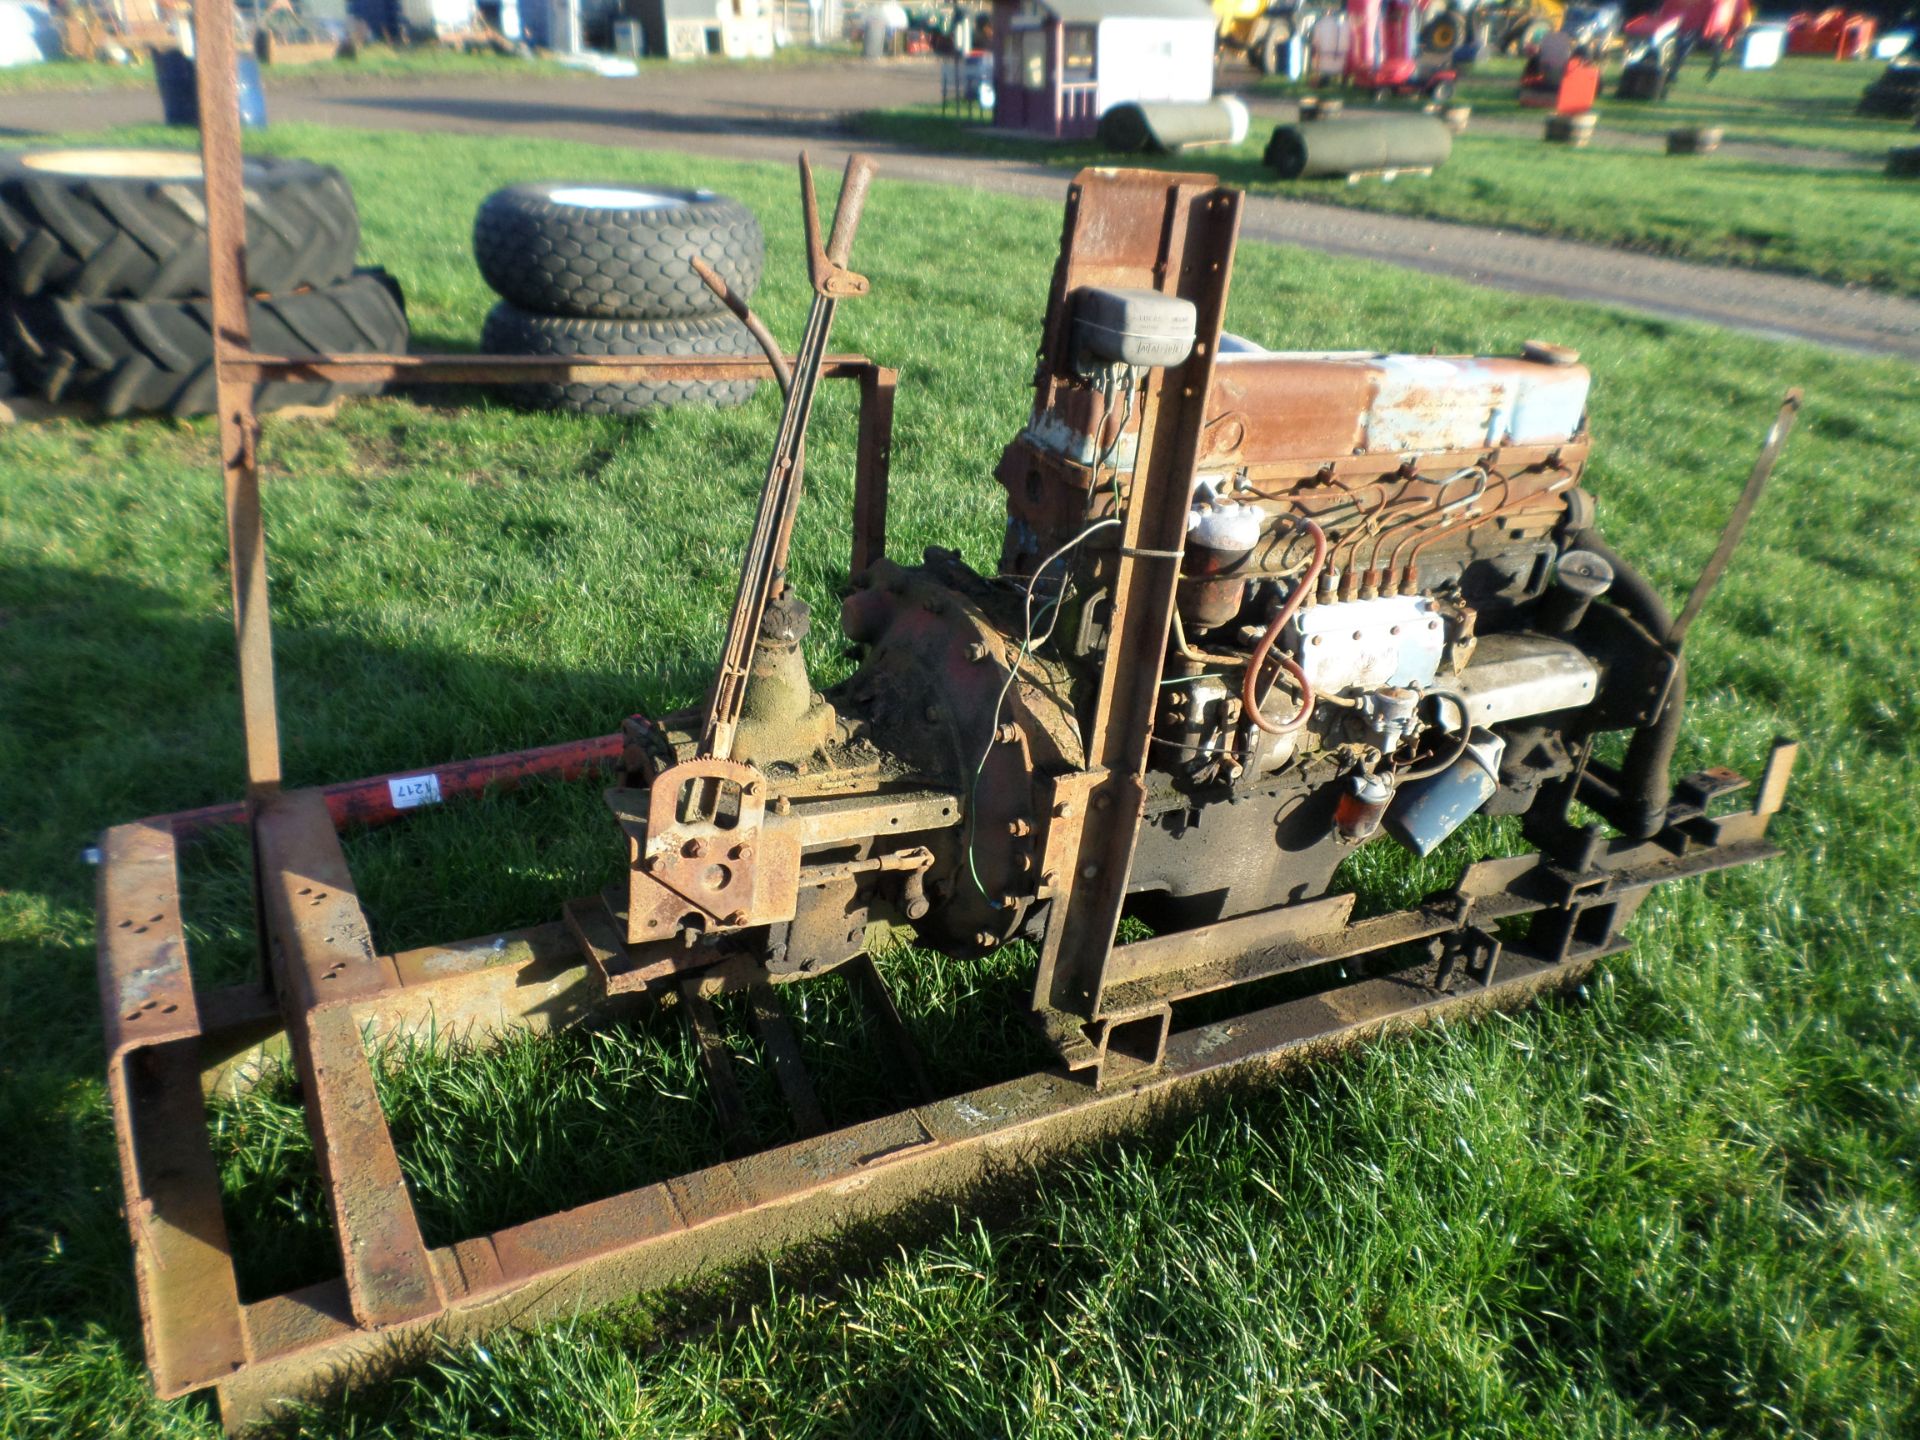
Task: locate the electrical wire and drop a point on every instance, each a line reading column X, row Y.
column 1029, row 642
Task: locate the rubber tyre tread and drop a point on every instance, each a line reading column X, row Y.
column 156, row 356
column 510, row 330
column 561, row 259
column 122, row 237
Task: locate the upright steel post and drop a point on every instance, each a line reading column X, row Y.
column 239, row 428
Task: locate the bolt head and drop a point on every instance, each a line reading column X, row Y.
column 781, row 805
column 737, row 917
column 1019, row 825
column 1089, row 872
column 978, row 651
column 986, row 939
column 694, row 849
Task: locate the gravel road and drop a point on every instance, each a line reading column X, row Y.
column 760, row 113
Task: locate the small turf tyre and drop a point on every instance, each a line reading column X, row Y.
column 129, row 357
column 106, row 224
column 615, row 252
column 510, row 330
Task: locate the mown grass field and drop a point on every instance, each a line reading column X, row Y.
column 1681, row 1203
column 374, row 62
column 1843, row 222
column 1803, row 102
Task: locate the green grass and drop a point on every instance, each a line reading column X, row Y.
column 1683, row 1204
column 1849, row 224
column 1801, row 102
column 374, row 62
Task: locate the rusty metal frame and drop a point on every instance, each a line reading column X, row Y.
column 168, row 1046
column 1506, row 930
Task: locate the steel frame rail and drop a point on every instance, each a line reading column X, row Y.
column 169, row 1046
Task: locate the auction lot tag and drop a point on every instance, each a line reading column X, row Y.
column 411, row 790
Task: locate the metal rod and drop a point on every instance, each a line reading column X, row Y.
column 248, row 367
column 233, row 398
column 379, row 799
column 1737, row 522
column 756, row 327
column 763, row 568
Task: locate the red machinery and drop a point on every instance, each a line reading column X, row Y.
column 1717, row 21
column 1384, row 54
column 1839, row 33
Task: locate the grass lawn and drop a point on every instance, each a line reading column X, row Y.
column 374, row 62
column 1852, row 225
column 1682, row 1203
column 1800, row 102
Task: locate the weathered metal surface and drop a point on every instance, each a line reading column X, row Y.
column 1049, row 797
column 234, row 396
column 183, row 1269
column 764, row 563
column 245, row 367
column 323, row 961
column 757, row 1205
column 1183, row 247
column 871, row 466
column 380, row 799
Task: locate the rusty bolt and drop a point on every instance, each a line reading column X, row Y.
column 743, row 851
column 1089, row 872
column 986, row 939
column 752, row 787
column 736, row 917
column 694, row 849
column 1023, row 863
column 649, row 864
column 978, row 651
column 1019, row 825
column 1064, row 810
column 781, row 805
column 1007, row 733
column 1177, row 700
column 1102, row 802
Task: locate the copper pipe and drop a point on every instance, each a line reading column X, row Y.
column 1250, row 687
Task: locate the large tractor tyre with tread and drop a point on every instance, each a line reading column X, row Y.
column 103, row 224
column 617, row 252
column 138, row 356
column 509, row 330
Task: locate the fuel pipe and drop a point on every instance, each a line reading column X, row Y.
column 1250, row 687
column 1645, row 786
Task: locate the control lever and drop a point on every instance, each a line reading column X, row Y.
column 764, row 567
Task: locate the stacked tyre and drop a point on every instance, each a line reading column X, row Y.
column 104, row 278
column 608, row 270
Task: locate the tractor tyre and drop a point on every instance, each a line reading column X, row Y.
column 156, row 356
column 510, row 330
column 105, row 224
column 1443, row 32
column 1268, row 55
column 616, row 252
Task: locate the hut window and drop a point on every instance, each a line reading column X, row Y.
column 1033, row 59
column 1078, row 61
